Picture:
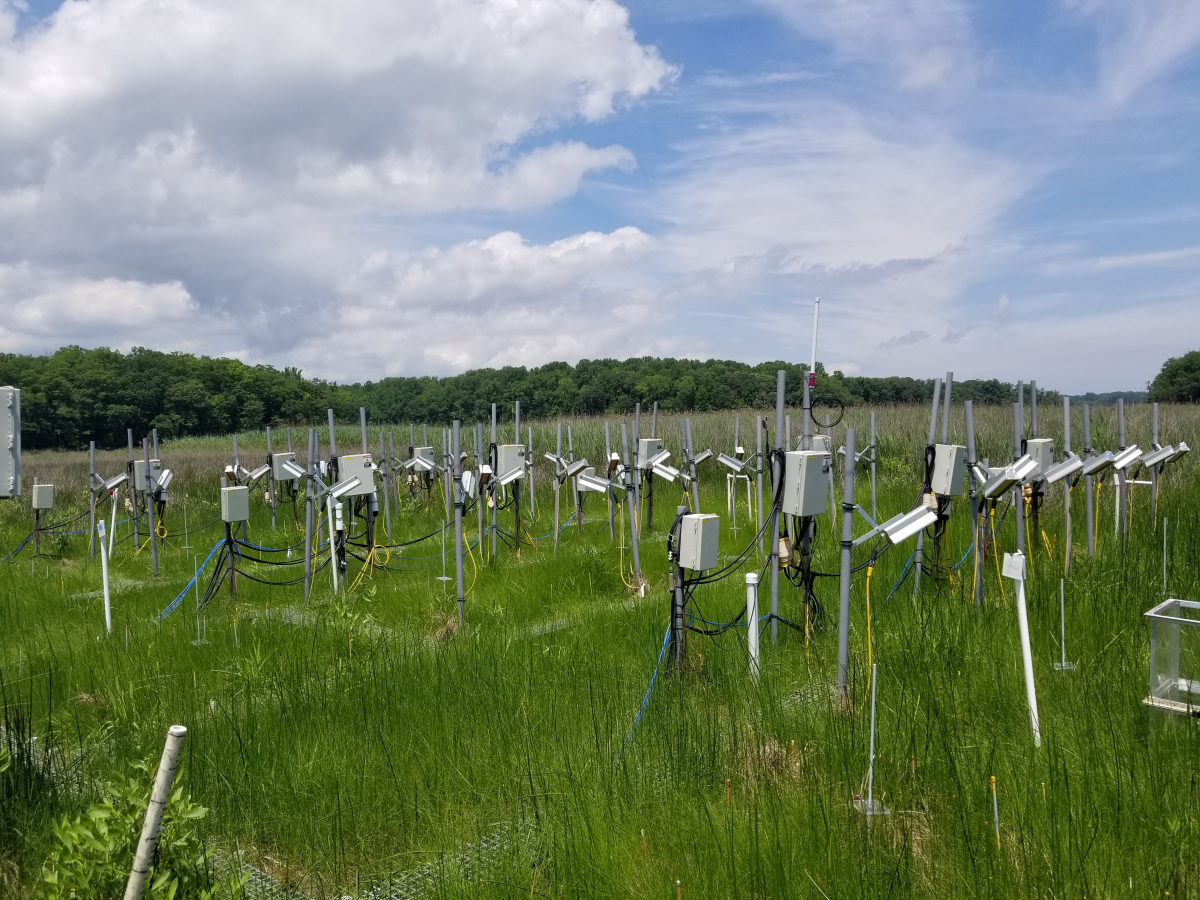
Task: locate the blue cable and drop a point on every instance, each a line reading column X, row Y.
column 963, row 560
column 899, row 580
column 174, row 604
column 645, row 699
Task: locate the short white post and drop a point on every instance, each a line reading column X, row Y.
column 871, row 759
column 159, row 797
column 1014, row 568
column 112, row 528
column 333, row 562
column 752, row 622
column 104, row 576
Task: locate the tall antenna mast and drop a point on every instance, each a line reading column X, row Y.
column 812, row 365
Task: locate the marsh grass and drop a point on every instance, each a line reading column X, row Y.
column 345, row 743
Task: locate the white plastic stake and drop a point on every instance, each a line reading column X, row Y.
column 151, row 829
column 1014, row 568
column 104, row 576
column 752, row 622
column 112, row 528
column 1063, row 666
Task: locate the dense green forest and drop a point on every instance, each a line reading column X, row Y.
column 76, row 395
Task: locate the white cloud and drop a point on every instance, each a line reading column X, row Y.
column 925, row 43
column 1142, row 41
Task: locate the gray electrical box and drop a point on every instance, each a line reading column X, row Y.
column 1042, row 451
column 425, row 453
column 806, row 475
column 277, row 470
column 648, row 448
column 235, row 504
column 10, row 442
column 698, row 538
column 359, row 464
column 139, row 474
column 949, row 467
column 43, row 496
column 822, row 443
column 509, row 458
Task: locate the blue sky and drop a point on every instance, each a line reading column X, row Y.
column 1002, row 190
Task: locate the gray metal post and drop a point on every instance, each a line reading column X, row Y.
column 1122, row 483
column 608, row 493
column 1067, row 487
column 289, row 437
column 776, row 475
column 976, row 554
column 691, row 457
column 575, row 495
column 678, row 629
column 1033, row 422
column 154, row 442
column 271, row 478
column 631, row 494
column 362, row 425
column 1089, row 510
column 636, row 466
column 874, row 455
column 654, row 421
column 458, row 516
column 806, row 425
column 1153, row 471
column 133, row 492
column 332, row 445
column 946, row 410
column 920, row 551
column 847, row 542
column 150, row 507
column 1021, row 407
column 386, row 461
column 758, row 473
column 392, row 469
column 92, row 492
column 557, row 486
column 497, row 475
column 1018, row 490
column 532, row 492
column 479, row 504
column 237, row 463
column 309, row 499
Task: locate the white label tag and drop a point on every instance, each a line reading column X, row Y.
column 1014, row 566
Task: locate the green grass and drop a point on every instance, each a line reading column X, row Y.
column 362, row 737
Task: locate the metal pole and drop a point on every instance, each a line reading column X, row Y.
column 631, row 494
column 1122, row 484
column 1033, row 423
column 678, row 630
column 608, row 493
column 104, row 577
column 497, row 475
column 1018, row 490
column 92, row 492
column 1089, row 510
column 133, row 491
column 150, row 508
column 529, row 456
column 920, row 551
column 1154, row 471
column 635, row 469
column 976, row 554
column 362, row 425
column 1067, row 487
column 458, row 517
column 847, row 542
column 691, row 456
column 160, row 796
column 776, row 475
column 557, row 485
column 874, row 455
column 758, row 473
column 230, row 553
column 1021, row 427
column 333, row 463
column 271, row 477
column 946, row 411
column 386, row 461
column 654, row 421
column 309, row 499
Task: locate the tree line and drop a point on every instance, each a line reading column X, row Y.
column 75, row 395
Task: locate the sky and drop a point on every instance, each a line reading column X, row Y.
column 419, row 187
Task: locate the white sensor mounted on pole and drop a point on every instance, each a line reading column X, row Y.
column 1057, row 472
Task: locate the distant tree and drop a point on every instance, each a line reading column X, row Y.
column 1179, row 380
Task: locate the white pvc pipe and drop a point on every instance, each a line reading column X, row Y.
column 752, row 622
column 333, row 563
column 104, row 576
column 871, row 760
column 112, row 528
column 812, row 368
column 151, row 829
column 1026, row 653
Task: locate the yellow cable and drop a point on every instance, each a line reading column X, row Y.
column 1028, row 543
column 161, row 530
column 474, row 568
column 621, row 546
column 996, row 554
column 870, row 569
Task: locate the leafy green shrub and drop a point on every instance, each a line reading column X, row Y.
column 94, row 851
